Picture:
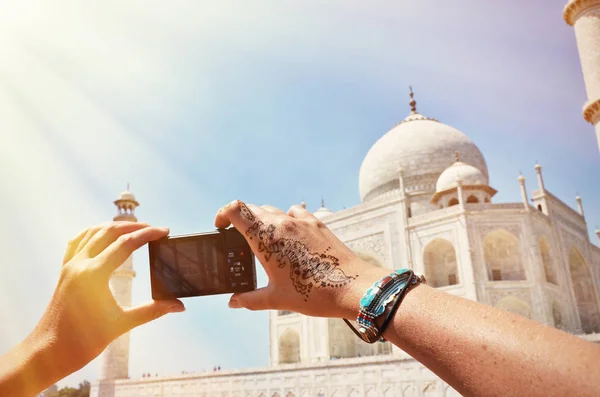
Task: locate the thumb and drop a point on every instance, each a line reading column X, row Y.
column 259, row 299
column 150, row 311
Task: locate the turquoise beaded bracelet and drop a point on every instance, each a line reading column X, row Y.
column 373, row 304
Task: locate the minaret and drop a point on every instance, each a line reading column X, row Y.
column 115, row 359
column 579, row 205
column 521, row 180
column 540, row 178
column 584, row 15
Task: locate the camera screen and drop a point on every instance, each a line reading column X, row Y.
column 200, row 265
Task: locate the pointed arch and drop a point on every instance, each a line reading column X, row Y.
column 503, row 257
column 289, row 347
column 472, row 199
column 353, row 393
column 547, row 261
column 514, row 305
column 389, row 391
column 409, row 391
column 450, row 392
column 585, row 296
column 371, row 392
column 453, row 201
column 439, row 259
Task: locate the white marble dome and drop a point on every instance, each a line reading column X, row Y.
column 322, row 212
column 468, row 174
column 127, row 195
column 423, row 148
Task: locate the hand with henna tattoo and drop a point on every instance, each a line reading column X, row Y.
column 310, row 270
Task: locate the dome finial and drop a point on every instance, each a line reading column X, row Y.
column 456, row 157
column 322, row 202
column 127, row 186
column 412, row 103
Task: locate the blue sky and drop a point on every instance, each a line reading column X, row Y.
column 196, row 104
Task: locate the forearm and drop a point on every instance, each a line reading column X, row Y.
column 481, row 350
column 28, row 368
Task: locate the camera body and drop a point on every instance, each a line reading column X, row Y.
column 219, row 262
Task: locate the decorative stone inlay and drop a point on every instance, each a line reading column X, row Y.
column 574, row 7
column 514, row 229
column 373, row 245
column 591, row 110
column 379, row 221
column 496, row 295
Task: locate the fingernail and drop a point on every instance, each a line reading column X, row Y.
column 165, row 229
column 234, row 304
column 176, row 309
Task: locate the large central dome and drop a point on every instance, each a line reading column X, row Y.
column 423, row 148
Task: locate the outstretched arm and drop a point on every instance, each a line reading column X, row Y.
column 481, row 350
column 477, row 349
column 83, row 317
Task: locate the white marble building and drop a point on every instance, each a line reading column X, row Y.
column 427, row 203
column 423, row 210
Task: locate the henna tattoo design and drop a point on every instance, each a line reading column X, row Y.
column 307, row 269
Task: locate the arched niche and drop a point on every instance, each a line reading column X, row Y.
column 514, row 305
column 439, row 259
column 557, row 315
column 453, row 201
column 289, row 347
column 584, row 292
column 472, row 199
column 547, row 261
column 503, row 256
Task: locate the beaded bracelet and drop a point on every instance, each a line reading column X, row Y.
column 373, row 304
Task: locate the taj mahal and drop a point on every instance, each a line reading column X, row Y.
column 427, row 203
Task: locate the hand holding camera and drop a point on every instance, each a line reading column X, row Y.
column 310, row 270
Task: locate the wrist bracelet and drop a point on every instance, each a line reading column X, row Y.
column 414, row 281
column 376, row 299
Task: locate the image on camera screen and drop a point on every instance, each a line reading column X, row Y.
column 189, row 267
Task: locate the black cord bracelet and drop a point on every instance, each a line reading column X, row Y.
column 395, row 306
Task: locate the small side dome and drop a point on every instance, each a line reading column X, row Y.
column 469, row 175
column 127, row 195
column 323, row 211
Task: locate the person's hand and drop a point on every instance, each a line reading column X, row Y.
column 310, row 270
column 83, row 316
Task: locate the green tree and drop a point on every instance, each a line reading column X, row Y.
column 67, row 392
column 82, row 391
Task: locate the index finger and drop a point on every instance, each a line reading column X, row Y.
column 238, row 214
column 122, row 248
column 72, row 245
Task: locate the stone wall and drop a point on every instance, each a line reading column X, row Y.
column 386, row 376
